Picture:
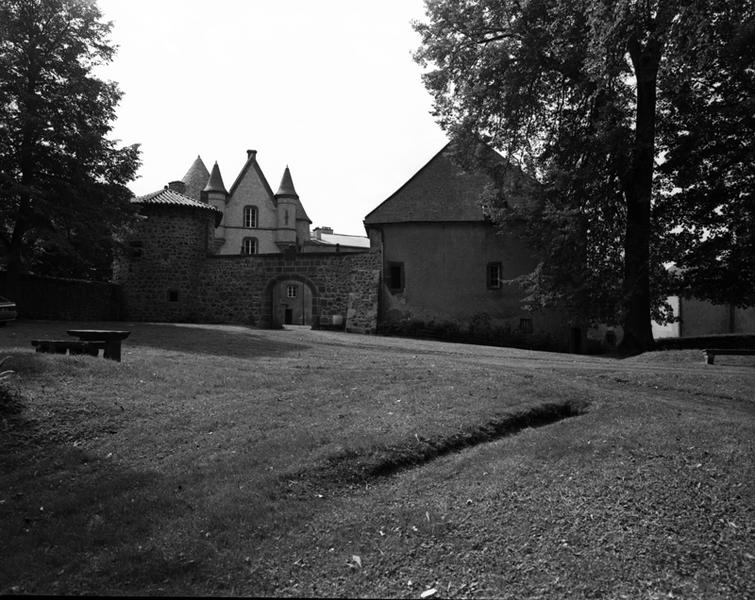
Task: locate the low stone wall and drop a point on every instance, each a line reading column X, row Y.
column 39, row 297
column 239, row 289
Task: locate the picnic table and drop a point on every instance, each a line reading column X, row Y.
column 109, row 340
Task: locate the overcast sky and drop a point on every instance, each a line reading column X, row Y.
column 328, row 88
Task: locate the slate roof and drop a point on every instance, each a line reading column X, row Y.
column 286, row 190
column 196, row 179
column 439, row 191
column 331, row 239
column 215, row 183
column 286, row 187
column 168, row 197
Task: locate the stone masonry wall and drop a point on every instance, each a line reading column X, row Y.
column 171, row 277
column 362, row 309
column 238, row 289
column 159, row 274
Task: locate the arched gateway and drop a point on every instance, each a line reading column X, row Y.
column 291, row 299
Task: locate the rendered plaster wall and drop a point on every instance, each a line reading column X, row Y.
column 445, row 273
column 701, row 317
column 250, row 191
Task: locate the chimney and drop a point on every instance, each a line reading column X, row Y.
column 250, row 154
column 177, row 186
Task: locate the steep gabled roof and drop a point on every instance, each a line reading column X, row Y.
column 195, row 179
column 440, row 191
column 251, row 163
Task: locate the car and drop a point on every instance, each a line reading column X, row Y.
column 7, row 310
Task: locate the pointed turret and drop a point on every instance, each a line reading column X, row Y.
column 214, row 193
column 293, row 222
column 215, row 182
column 195, row 179
column 286, row 188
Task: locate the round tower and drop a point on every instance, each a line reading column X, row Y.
column 159, row 272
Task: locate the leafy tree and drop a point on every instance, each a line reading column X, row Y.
column 707, row 135
column 569, row 91
column 62, row 182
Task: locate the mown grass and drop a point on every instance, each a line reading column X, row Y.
column 234, row 461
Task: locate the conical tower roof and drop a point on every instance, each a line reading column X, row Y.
column 286, row 188
column 215, row 182
column 195, row 179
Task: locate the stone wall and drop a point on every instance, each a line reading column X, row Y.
column 62, row 299
column 239, row 289
column 362, row 307
column 169, row 276
column 160, row 273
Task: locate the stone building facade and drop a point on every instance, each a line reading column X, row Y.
column 254, row 219
column 172, row 271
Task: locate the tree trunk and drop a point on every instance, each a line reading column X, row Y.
column 638, row 333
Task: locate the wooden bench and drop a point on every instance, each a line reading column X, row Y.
column 67, row 346
column 711, row 353
column 107, row 339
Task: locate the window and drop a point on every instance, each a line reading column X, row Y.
column 395, row 276
column 494, row 276
column 291, row 291
column 250, row 218
column 249, row 246
column 172, row 295
column 525, row 325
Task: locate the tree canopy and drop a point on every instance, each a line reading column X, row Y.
column 62, row 181
column 589, row 97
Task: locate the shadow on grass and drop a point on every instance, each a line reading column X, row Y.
column 70, row 519
column 217, row 340
column 235, row 342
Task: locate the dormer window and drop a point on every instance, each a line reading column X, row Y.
column 250, row 216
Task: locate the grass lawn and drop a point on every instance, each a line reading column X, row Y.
column 222, row 460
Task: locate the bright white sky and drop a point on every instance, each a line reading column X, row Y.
column 327, row 87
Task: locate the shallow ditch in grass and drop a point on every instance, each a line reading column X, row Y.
column 363, row 464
